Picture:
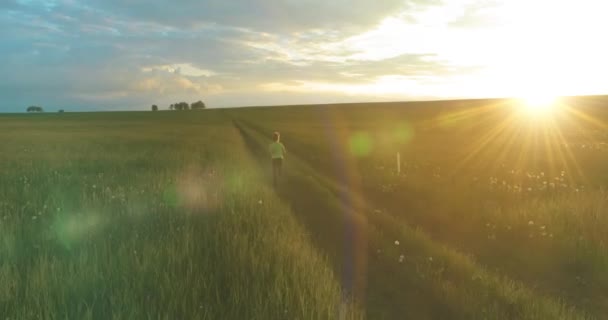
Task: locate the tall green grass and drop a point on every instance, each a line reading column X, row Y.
column 112, row 216
column 405, row 273
column 170, row 215
column 521, row 210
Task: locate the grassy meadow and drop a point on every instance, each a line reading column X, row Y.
column 149, row 216
column 494, row 213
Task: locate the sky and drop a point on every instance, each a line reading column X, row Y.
column 127, row 55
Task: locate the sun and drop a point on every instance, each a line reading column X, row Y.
column 538, row 104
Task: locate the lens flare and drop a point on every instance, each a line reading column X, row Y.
column 360, row 144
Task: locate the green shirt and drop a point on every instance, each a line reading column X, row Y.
column 277, row 150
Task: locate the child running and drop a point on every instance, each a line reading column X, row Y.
column 277, row 153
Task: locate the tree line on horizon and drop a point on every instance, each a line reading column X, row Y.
column 198, row 105
column 34, row 109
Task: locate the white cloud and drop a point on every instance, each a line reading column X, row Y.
column 387, row 86
column 186, row 69
column 246, row 52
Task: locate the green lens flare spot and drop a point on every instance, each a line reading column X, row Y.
column 403, row 133
column 170, row 196
column 360, row 144
column 70, row 230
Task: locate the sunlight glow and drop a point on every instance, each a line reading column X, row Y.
column 530, row 130
column 507, row 51
column 539, row 104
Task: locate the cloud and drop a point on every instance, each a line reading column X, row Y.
column 275, row 16
column 113, row 52
column 186, row 69
column 171, row 83
column 130, row 54
column 477, row 14
column 9, row 5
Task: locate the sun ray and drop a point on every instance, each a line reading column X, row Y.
column 536, row 143
column 586, row 118
column 480, row 144
column 507, row 147
column 571, row 157
column 548, row 141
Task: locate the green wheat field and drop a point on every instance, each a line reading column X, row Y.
column 430, row 210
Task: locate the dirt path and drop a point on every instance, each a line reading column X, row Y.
column 340, row 229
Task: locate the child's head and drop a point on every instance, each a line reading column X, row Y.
column 276, row 136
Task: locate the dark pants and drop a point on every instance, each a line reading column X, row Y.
column 277, row 166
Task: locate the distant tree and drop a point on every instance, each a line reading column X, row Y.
column 60, row 111
column 197, row 105
column 154, row 107
column 35, row 109
column 181, row 106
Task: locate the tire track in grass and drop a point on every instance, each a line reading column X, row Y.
column 545, row 266
column 414, row 278
column 325, row 219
